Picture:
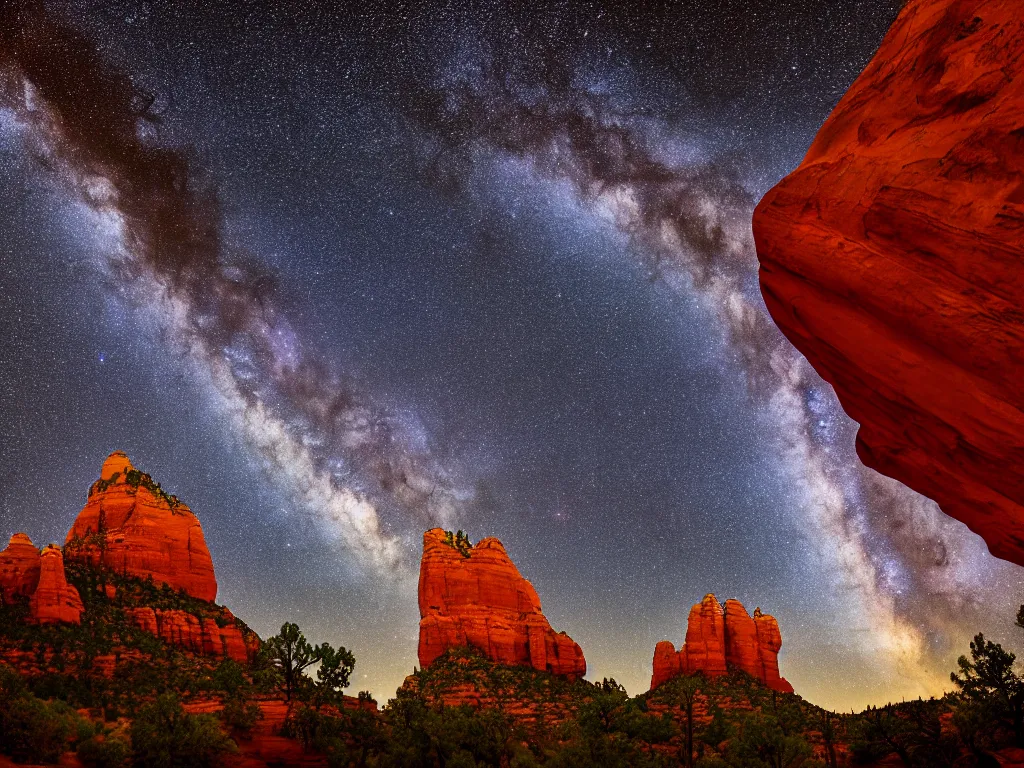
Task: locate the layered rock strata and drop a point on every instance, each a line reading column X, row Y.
column 474, row 596
column 191, row 633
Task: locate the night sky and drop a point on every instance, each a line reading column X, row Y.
column 337, row 276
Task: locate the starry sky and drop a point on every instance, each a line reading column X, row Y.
column 337, row 275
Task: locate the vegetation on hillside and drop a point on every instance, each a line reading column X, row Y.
column 463, row 710
column 66, row 661
column 135, row 478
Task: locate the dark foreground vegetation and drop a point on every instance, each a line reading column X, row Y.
column 462, row 711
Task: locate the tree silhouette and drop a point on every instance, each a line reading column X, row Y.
column 335, row 669
column 987, row 680
column 291, row 653
column 686, row 689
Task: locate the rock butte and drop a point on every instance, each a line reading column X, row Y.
column 893, row 258
column 141, row 528
column 482, row 601
column 145, row 533
column 719, row 639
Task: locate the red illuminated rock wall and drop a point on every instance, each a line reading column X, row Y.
column 54, row 601
column 481, row 600
column 719, row 639
column 19, row 568
column 133, row 530
column 893, row 258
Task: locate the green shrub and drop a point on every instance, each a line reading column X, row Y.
column 105, row 750
column 229, row 677
column 165, row 736
column 240, row 714
column 33, row 730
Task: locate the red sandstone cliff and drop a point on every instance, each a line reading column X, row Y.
column 476, row 597
column 893, row 258
column 199, row 635
column 19, row 568
column 133, row 527
column 39, row 576
column 719, row 639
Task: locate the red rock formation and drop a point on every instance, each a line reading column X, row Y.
column 481, row 600
column 144, row 531
column 893, row 258
column 742, row 649
column 668, row 663
column 720, row 639
column 769, row 641
column 191, row 633
column 19, row 568
column 704, row 649
column 54, row 601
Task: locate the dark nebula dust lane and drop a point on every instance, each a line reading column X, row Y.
column 340, row 451
column 338, row 275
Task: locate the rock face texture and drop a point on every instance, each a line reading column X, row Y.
column 893, row 258
column 475, row 596
column 39, row 576
column 719, row 639
column 131, row 528
column 54, row 601
column 19, row 568
column 130, row 525
column 199, row 635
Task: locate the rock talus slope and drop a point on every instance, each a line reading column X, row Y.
column 893, row 259
column 476, row 597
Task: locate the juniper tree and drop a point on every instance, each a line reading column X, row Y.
column 291, row 653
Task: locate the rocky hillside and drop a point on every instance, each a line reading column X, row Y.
column 135, row 559
column 474, row 596
column 113, row 646
column 892, row 258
